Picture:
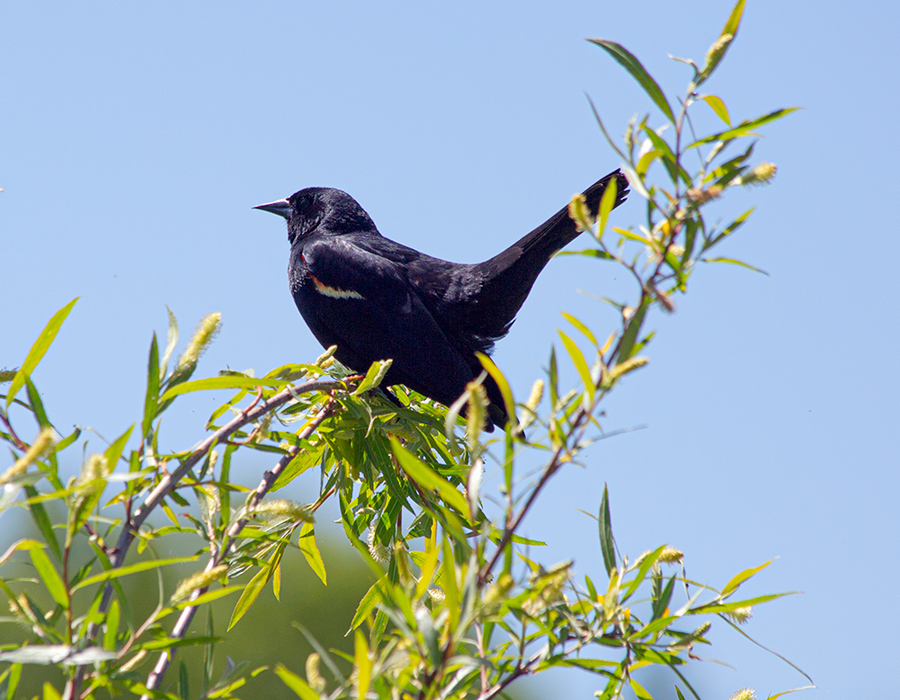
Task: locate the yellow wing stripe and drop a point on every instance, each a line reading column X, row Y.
column 334, row 292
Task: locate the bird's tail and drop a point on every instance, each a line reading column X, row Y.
column 509, row 276
column 559, row 230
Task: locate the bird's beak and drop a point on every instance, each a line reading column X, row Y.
column 282, row 207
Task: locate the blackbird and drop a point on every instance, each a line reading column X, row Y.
column 376, row 299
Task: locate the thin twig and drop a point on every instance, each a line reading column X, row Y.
column 12, row 433
column 268, row 480
column 168, row 483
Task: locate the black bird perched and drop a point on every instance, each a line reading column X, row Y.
column 376, row 299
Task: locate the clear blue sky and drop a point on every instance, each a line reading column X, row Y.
column 136, row 137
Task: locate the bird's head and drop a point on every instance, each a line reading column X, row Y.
column 322, row 210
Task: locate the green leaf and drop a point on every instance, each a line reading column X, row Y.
column 447, row 581
column 369, row 602
column 588, row 664
column 585, row 331
column 306, row 541
column 661, row 603
column 254, row 587
column 631, row 235
column 792, row 690
column 728, row 607
column 669, row 159
column 717, row 106
column 630, row 334
column 34, row 399
column 42, row 520
column 745, row 128
column 638, row 72
column 373, row 377
column 49, row 576
column 646, row 160
column 301, row 688
column 733, row 584
column 501, row 382
column 580, row 363
column 133, row 569
column 208, row 597
column 639, row 690
column 715, row 55
column 644, row 569
column 226, row 382
column 184, row 687
column 658, row 624
column 111, row 634
column 304, row 460
column 589, row 253
column 607, row 546
column 731, row 228
column 24, row 544
column 363, row 663
column 151, row 401
column 732, row 261
column 553, row 378
column 38, row 350
column 426, row 477
column 171, row 339
column 114, row 451
column 518, row 539
column 607, row 203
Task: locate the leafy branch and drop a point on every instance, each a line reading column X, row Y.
column 459, row 607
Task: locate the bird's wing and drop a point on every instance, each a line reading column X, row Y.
column 365, row 302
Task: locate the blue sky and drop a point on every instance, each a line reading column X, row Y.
column 135, row 139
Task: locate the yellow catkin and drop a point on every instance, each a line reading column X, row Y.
column 206, row 331
column 280, row 508
column 38, row 449
column 199, row 580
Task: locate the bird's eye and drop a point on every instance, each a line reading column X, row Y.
column 304, row 201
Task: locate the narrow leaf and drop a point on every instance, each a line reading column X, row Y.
column 38, row 350
column 254, row 587
column 307, row 544
column 42, row 520
column 300, row 687
column 607, row 547
column 114, row 451
column 501, row 382
column 226, row 382
column 151, row 401
column 133, row 569
column 50, row 576
column 368, row 603
column 585, row 331
column 630, row 334
column 732, row 261
column 715, row 55
column 733, row 584
column 111, row 634
column 373, row 377
column 171, row 338
column 426, row 477
column 717, row 106
column 638, row 72
column 661, row 604
column 363, row 664
column 580, row 363
column 745, row 128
